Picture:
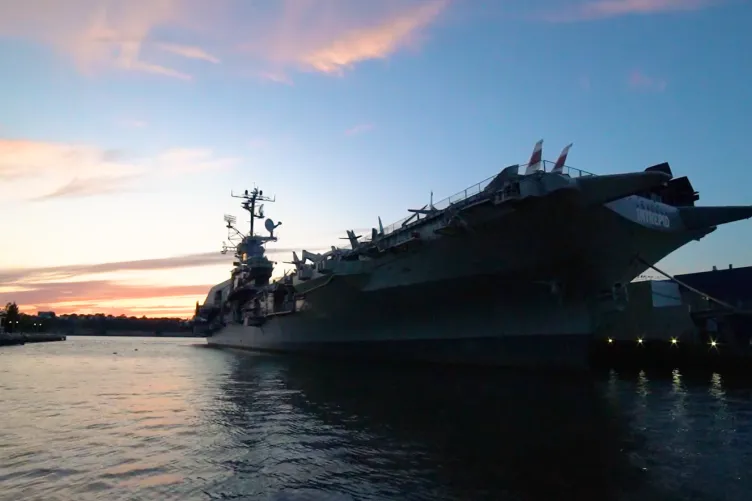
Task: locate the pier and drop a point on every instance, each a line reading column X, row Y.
column 697, row 320
column 13, row 339
column 11, row 333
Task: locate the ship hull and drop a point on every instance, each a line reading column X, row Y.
column 496, row 323
column 542, row 351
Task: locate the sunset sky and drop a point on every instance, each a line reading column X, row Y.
column 125, row 124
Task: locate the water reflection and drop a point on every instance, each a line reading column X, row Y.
column 694, row 439
column 438, row 433
column 157, row 419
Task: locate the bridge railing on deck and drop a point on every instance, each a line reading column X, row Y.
column 466, row 196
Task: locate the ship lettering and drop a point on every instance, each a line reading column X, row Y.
column 653, row 218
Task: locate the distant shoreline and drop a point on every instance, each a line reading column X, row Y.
column 134, row 334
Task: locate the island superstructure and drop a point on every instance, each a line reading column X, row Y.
column 515, row 270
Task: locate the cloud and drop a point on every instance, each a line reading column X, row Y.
column 328, row 36
column 258, row 143
column 640, row 81
column 100, row 34
column 27, row 159
column 276, row 77
column 191, row 160
column 31, row 275
column 359, row 129
column 40, row 170
column 184, row 310
column 99, row 290
column 371, row 42
column 79, row 188
column 75, row 288
column 57, row 273
column 135, row 124
column 189, row 52
column 601, row 9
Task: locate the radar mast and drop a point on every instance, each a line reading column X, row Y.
column 250, row 202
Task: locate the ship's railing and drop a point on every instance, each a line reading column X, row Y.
column 466, row 196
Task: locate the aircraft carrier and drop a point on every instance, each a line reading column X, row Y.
column 514, row 271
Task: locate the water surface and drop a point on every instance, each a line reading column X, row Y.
column 153, row 418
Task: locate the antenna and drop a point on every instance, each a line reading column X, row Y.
column 249, row 203
column 270, row 227
column 230, row 220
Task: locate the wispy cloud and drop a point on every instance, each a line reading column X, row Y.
column 601, row 9
column 135, row 124
column 85, row 288
column 398, row 30
column 107, row 34
column 189, row 52
column 191, row 160
column 359, row 129
column 276, row 77
column 326, row 36
column 258, row 143
column 28, row 159
column 58, row 273
column 79, row 188
column 99, row 290
column 39, row 170
column 640, row 81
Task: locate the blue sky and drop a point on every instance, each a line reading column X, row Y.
column 124, row 125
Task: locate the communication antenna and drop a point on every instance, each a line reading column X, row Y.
column 250, row 198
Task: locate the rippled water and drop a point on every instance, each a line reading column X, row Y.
column 150, row 418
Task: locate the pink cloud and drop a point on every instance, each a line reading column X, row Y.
column 359, row 129
column 80, row 188
column 600, row 9
column 276, row 77
column 189, row 52
column 79, row 288
column 37, row 170
column 270, row 38
column 96, row 291
column 21, row 159
column 20, row 276
column 640, row 81
column 372, row 42
column 94, row 34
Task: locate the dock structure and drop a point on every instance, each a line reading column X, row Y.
column 13, row 339
column 19, row 338
column 42, row 337
column 11, row 333
column 695, row 320
column 7, row 339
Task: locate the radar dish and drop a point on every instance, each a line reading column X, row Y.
column 269, row 225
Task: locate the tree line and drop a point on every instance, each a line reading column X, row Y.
column 97, row 324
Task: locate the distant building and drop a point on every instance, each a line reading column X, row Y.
column 46, row 315
column 731, row 285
